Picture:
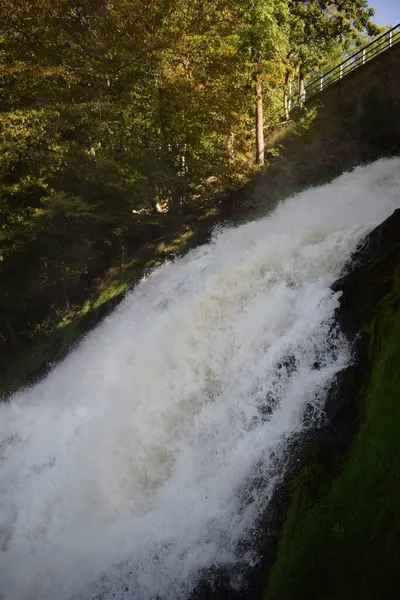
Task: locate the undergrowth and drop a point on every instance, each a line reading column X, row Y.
column 57, row 337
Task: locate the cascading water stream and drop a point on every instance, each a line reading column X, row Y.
column 122, row 473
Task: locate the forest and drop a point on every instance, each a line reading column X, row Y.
column 121, row 118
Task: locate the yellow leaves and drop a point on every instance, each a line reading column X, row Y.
column 15, row 69
column 23, row 125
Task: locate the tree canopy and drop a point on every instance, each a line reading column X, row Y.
column 114, row 108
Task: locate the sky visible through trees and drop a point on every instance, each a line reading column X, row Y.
column 387, row 12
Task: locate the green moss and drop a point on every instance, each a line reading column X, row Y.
column 180, row 243
column 341, row 539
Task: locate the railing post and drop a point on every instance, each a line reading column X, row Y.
column 321, row 83
column 363, row 56
column 390, row 39
column 341, row 71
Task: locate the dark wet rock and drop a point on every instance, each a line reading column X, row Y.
column 368, row 280
column 362, row 288
column 288, row 365
column 371, row 276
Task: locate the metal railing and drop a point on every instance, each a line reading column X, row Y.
column 365, row 54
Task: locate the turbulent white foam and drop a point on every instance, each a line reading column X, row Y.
column 124, row 469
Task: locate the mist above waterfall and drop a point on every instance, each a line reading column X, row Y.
column 122, row 473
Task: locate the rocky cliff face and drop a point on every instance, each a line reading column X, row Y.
column 330, row 470
column 341, row 536
column 370, row 279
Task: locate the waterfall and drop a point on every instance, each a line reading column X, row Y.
column 122, row 473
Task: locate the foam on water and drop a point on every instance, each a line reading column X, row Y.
column 122, row 473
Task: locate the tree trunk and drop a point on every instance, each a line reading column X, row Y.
column 176, row 198
column 231, row 146
column 170, row 167
column 10, row 333
column 286, row 104
column 287, row 96
column 302, row 90
column 123, row 253
column 259, row 124
column 65, row 292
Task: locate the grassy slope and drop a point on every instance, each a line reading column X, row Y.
column 341, row 539
column 52, row 343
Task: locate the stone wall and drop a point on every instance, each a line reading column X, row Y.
column 354, row 121
column 360, row 114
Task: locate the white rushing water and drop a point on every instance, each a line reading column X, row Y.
column 122, row 473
